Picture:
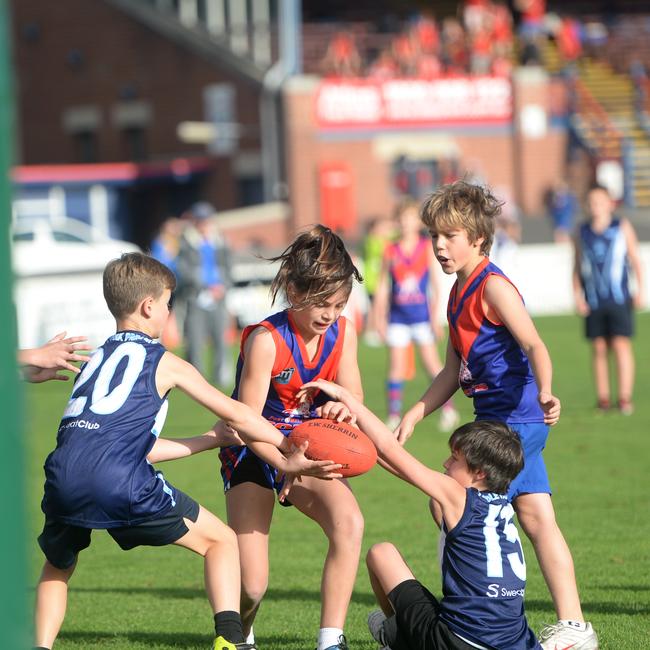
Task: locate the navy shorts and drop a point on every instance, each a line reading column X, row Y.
column 416, row 624
column 61, row 542
column 533, row 479
column 613, row 320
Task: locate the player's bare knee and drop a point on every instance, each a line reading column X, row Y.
column 222, row 537
column 379, row 554
column 252, row 591
column 348, row 528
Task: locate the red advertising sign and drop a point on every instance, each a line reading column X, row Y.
column 413, row 102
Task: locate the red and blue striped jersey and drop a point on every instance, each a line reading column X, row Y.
column 494, row 371
column 292, row 368
column 409, row 276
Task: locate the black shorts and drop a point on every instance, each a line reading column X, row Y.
column 416, row 624
column 249, row 470
column 614, row 320
column 61, row 542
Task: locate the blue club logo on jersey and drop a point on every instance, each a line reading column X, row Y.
column 284, row 376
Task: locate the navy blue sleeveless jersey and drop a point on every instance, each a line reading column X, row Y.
column 98, row 476
column 484, row 576
column 604, row 266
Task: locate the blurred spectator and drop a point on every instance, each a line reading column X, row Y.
column 531, row 29
column 594, row 37
column 481, row 52
column 507, row 235
column 569, row 40
column 502, row 35
column 342, row 57
column 405, row 53
column 639, row 75
column 425, row 31
column 475, row 15
column 454, row 50
column 532, row 13
column 384, row 67
column 203, row 268
column 562, row 207
column 379, row 233
column 422, row 50
column 429, row 66
column 164, row 248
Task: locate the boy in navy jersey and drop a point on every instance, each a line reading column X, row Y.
column 101, row 474
column 483, row 568
column 605, row 247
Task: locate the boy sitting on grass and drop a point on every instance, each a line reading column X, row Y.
column 483, row 568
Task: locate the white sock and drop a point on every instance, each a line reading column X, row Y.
column 250, row 639
column 327, row 637
column 577, row 625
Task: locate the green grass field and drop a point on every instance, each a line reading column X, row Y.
column 599, row 468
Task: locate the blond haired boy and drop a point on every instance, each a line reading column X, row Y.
column 499, row 360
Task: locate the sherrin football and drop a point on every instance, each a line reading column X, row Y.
column 336, row 441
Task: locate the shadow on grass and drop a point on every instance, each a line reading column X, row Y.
column 273, row 594
column 588, row 607
column 92, row 639
column 622, row 587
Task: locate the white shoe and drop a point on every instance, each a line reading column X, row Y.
column 376, row 621
column 392, row 422
column 449, row 419
column 561, row 636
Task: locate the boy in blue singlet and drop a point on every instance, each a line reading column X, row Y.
column 101, row 474
column 483, row 568
column 605, row 247
column 499, row 360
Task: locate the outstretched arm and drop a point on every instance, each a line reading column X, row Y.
column 253, row 428
column 44, row 363
column 221, row 435
column 447, row 491
column 442, row 388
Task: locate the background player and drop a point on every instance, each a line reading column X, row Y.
column 308, row 340
column 605, row 247
column 406, row 309
column 497, row 356
column 101, row 476
column 483, row 567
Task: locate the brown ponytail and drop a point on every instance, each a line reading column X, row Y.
column 315, row 266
